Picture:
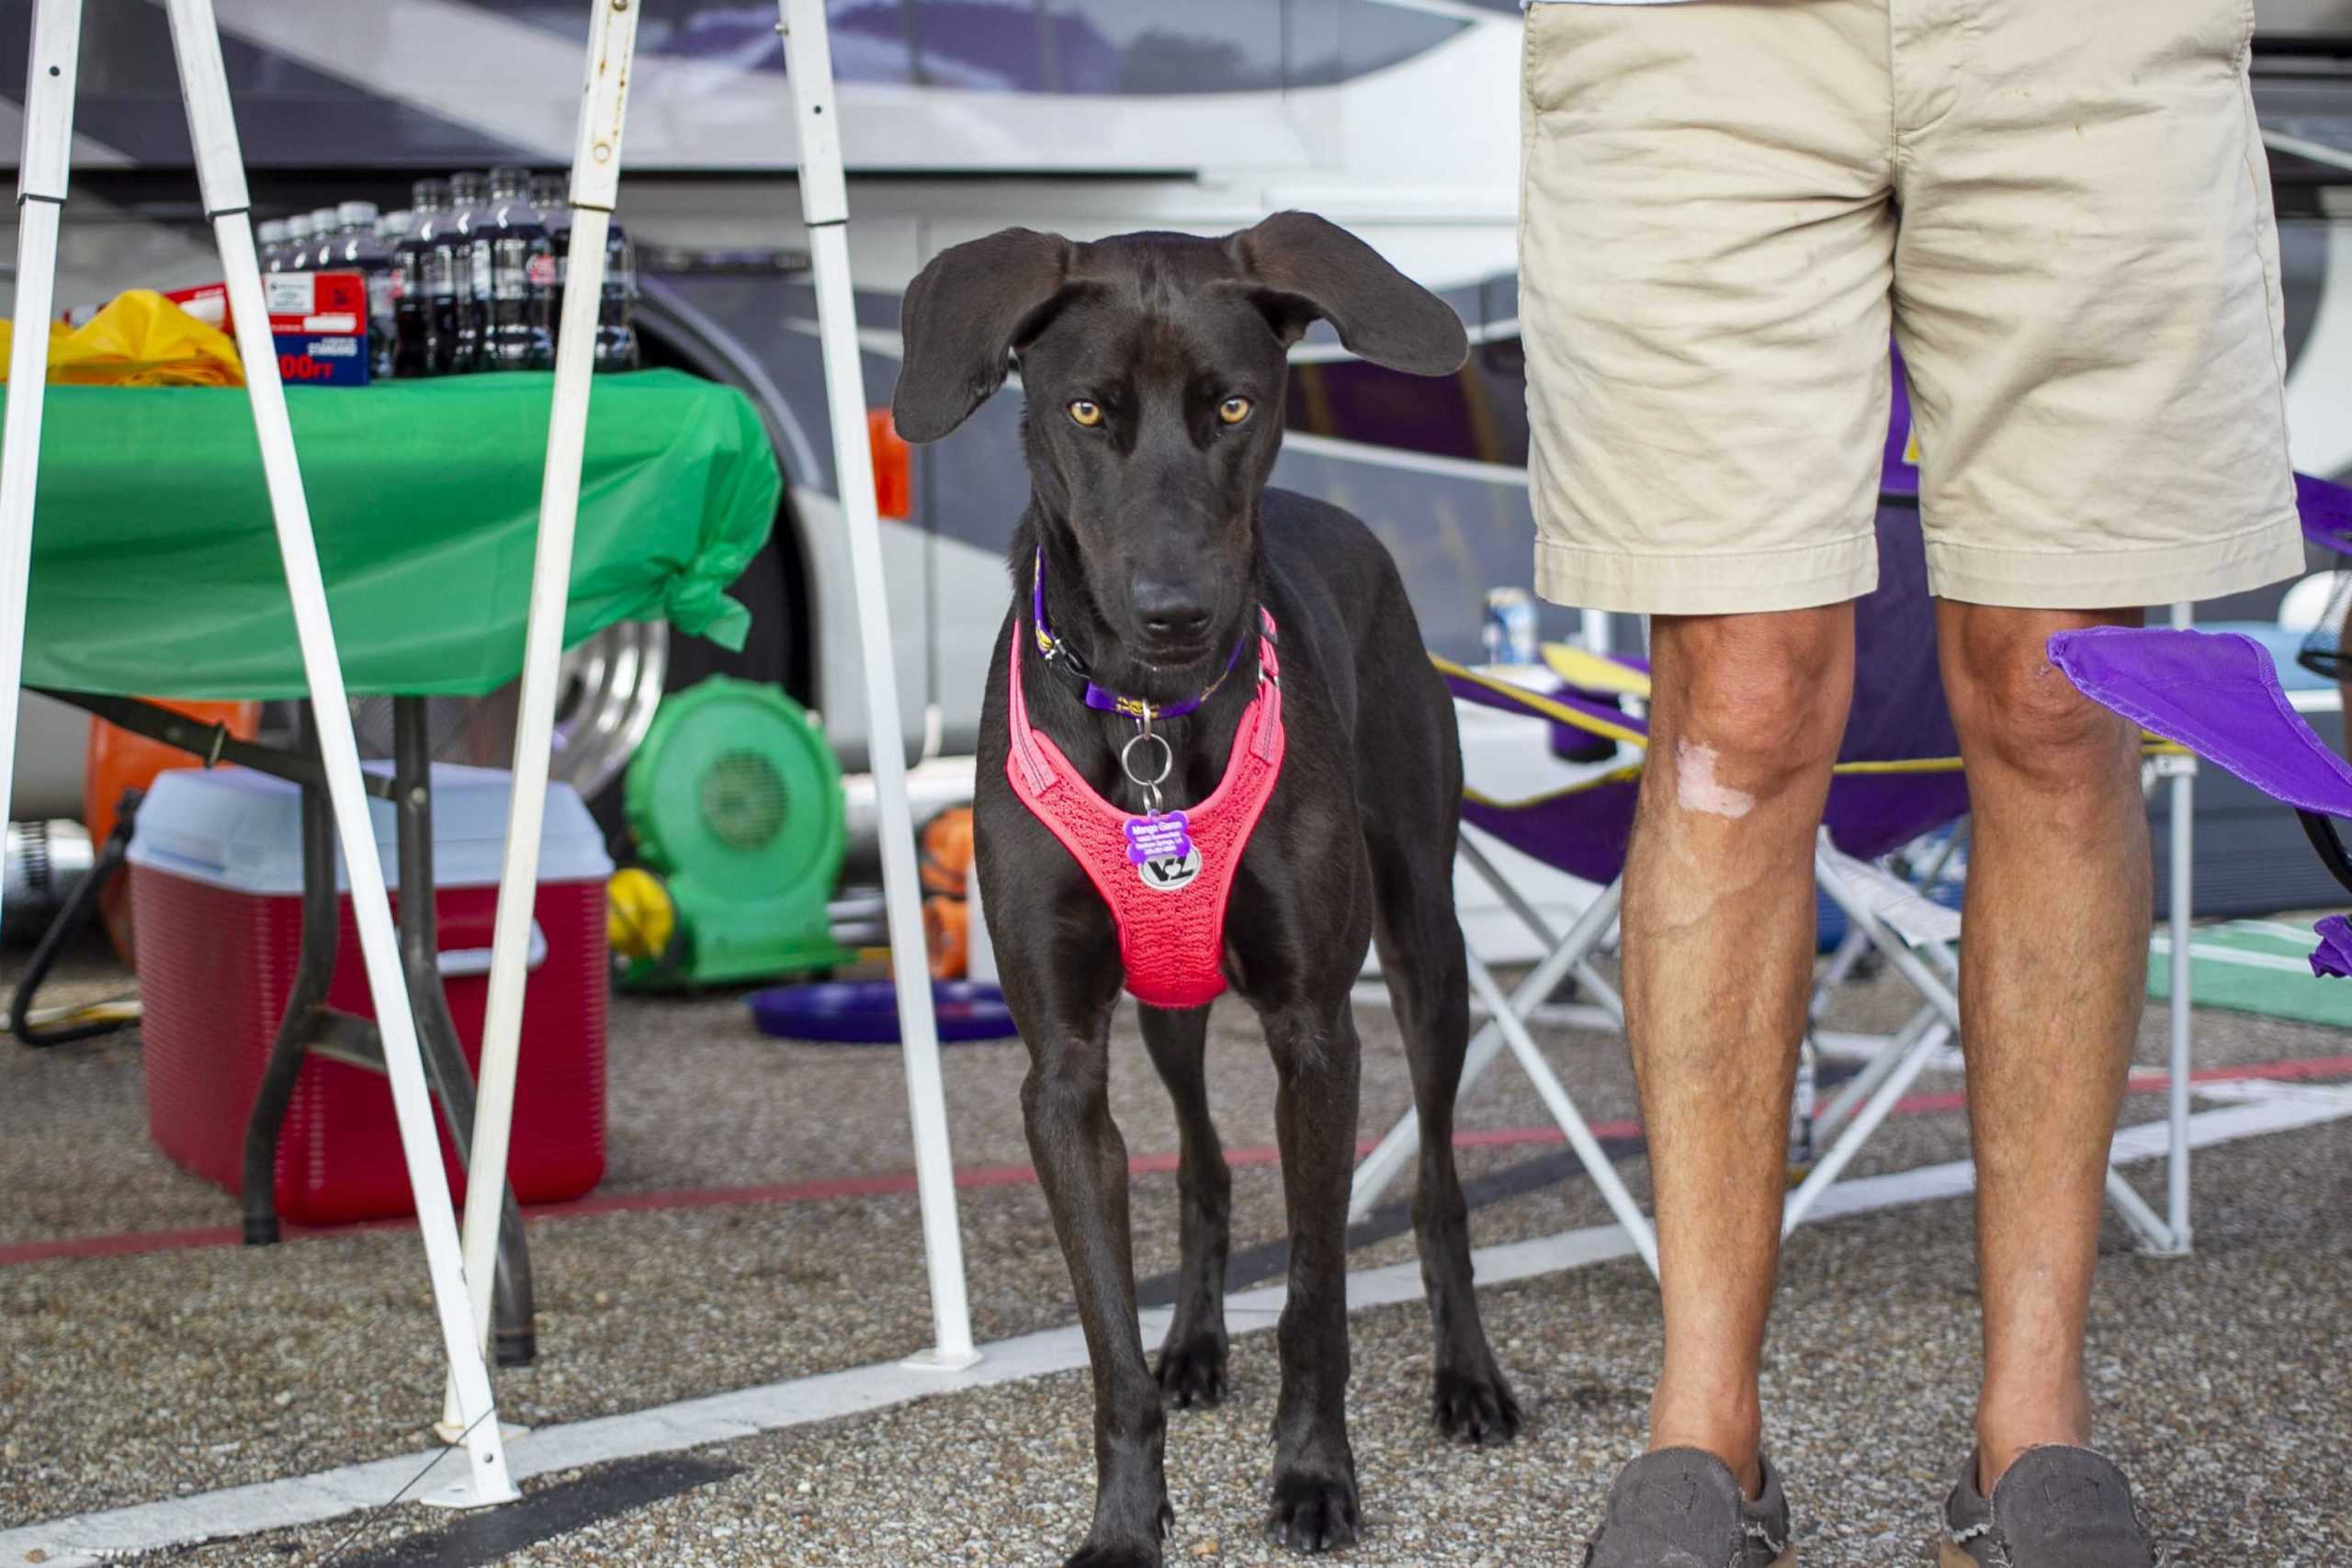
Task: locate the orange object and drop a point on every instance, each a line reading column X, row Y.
column 947, row 932
column 116, row 759
column 894, row 467
column 947, row 848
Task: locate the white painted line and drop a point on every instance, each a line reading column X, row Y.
column 2279, row 930
column 2267, row 1108
column 2242, row 958
column 86, row 1540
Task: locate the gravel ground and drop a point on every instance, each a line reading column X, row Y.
column 2223, row 1379
column 227, row 1365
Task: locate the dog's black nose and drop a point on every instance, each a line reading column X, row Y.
column 1170, row 612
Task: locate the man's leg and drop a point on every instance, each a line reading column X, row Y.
column 1719, row 945
column 2050, row 1004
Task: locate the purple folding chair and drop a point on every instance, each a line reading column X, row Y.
column 2218, row 694
column 2220, row 697
column 1898, row 777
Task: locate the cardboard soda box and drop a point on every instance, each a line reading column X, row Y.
column 320, row 320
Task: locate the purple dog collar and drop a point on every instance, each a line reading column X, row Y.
column 1055, row 652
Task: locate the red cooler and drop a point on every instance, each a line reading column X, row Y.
column 216, row 888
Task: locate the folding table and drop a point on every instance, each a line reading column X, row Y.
column 162, row 579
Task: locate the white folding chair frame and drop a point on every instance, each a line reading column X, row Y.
column 1926, row 955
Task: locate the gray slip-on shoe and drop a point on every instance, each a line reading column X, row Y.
column 2056, row 1507
column 1683, row 1508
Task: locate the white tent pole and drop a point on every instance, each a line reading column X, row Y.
column 221, row 171
column 824, row 204
column 596, row 183
column 41, row 193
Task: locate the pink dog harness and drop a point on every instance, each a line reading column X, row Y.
column 1165, row 875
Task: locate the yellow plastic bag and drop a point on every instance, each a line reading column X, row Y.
column 140, row 339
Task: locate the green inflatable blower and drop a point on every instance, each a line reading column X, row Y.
column 736, row 802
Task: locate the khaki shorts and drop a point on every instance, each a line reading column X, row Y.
column 2059, row 209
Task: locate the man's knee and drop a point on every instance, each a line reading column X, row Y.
column 2015, row 708
column 1752, row 704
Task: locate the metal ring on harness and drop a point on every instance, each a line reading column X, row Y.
column 1167, row 759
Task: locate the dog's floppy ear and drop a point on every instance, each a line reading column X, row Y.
column 1304, row 266
column 961, row 320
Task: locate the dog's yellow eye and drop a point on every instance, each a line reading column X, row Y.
column 1086, row 413
column 1233, row 411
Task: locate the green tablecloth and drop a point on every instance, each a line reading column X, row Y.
column 155, row 567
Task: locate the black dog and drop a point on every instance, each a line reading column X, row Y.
column 1154, row 370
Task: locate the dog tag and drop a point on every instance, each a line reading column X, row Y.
column 1165, row 837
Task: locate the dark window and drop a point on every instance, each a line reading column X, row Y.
column 1478, row 414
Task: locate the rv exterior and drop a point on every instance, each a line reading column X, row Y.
column 1397, row 118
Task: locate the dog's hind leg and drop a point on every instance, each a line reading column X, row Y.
column 1421, row 956
column 1192, row 1359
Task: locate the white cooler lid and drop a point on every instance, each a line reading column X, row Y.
column 243, row 830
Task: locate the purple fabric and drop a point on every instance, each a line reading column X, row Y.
column 2326, row 512
column 2332, row 956
column 2215, row 693
column 1583, row 833
column 1869, row 815
column 1898, row 478
column 1486, row 696
column 1898, row 712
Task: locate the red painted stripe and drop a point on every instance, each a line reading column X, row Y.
column 834, row 1188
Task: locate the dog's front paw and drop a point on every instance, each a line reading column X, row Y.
column 1313, row 1513
column 1476, row 1408
column 1191, row 1371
